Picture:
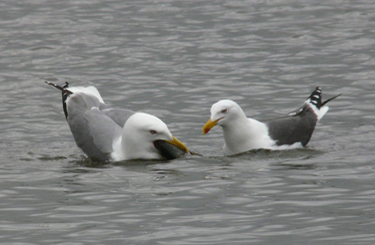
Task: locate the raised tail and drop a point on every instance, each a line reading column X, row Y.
column 316, row 98
column 314, row 101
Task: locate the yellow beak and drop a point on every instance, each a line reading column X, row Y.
column 178, row 143
column 209, row 124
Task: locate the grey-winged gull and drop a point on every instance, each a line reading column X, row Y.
column 242, row 134
column 109, row 134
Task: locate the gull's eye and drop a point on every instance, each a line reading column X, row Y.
column 153, row 132
column 224, row 111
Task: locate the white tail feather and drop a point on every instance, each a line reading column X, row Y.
column 87, row 90
column 323, row 110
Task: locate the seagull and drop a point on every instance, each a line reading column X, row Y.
column 242, row 134
column 111, row 134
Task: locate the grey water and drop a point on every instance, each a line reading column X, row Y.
column 174, row 59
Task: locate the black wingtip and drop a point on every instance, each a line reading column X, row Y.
column 61, row 88
column 316, row 97
column 65, row 94
column 334, row 97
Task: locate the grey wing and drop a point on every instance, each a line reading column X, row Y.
column 119, row 116
column 291, row 129
column 92, row 130
column 102, row 129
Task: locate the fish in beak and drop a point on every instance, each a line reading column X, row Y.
column 171, row 149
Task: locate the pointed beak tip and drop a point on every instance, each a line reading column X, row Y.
column 179, row 144
column 209, row 124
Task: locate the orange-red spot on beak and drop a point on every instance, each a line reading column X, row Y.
column 209, row 124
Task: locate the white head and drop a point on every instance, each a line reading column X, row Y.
column 222, row 112
column 240, row 133
column 140, row 132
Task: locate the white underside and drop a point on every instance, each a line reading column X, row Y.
column 322, row 112
column 117, row 154
column 296, row 145
column 245, row 135
column 318, row 112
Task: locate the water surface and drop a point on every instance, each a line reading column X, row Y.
column 174, row 59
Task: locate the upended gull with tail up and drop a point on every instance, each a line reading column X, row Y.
column 242, row 134
column 109, row 134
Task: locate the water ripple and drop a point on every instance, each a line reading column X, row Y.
column 174, row 59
